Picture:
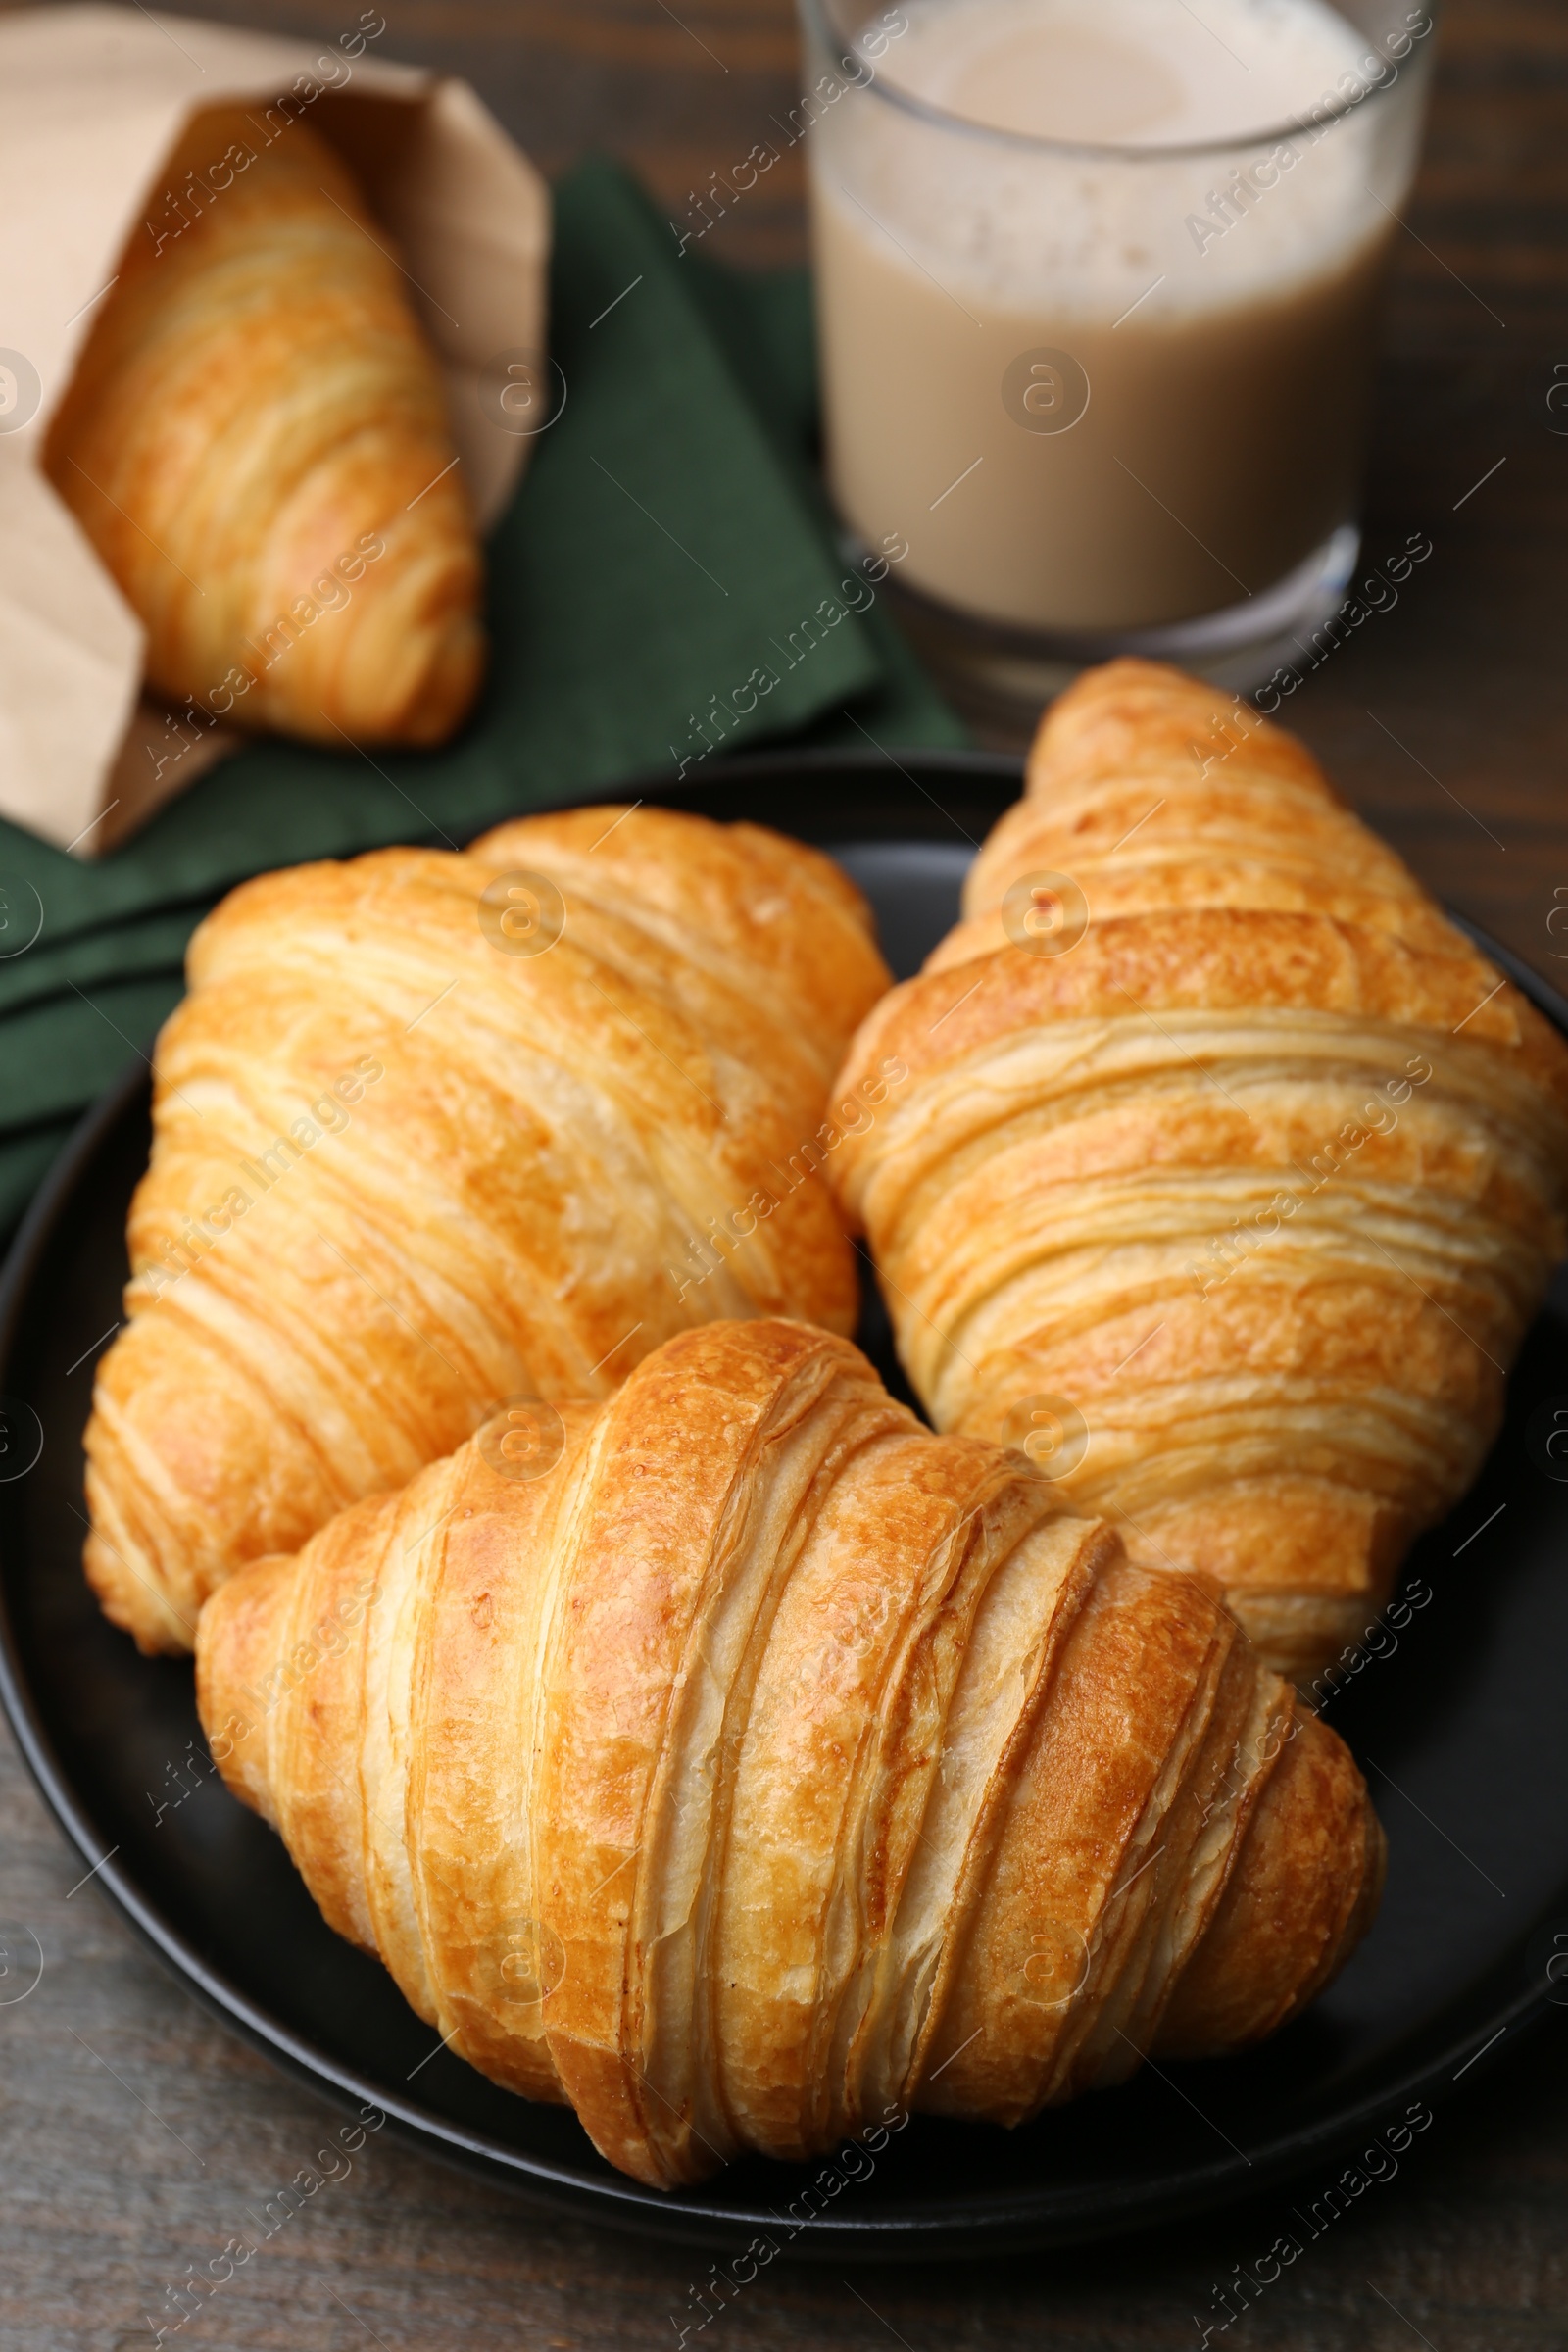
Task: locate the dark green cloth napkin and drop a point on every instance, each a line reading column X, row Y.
column 666, row 547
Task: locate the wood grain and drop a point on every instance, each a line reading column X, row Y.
column 134, row 2133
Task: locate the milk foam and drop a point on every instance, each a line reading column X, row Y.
column 1130, row 71
column 1008, row 225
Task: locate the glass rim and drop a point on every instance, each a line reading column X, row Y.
column 814, row 14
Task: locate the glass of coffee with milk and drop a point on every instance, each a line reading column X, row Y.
column 1097, row 289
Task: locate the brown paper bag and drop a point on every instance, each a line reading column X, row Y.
column 91, row 101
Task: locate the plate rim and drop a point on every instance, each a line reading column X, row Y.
column 1002, row 2222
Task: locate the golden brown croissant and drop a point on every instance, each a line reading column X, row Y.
column 404, row 1166
column 765, row 1764
column 1228, row 1175
column 256, row 443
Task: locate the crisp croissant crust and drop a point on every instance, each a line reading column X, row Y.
column 401, row 1172
column 768, row 1763
column 256, row 443
column 1254, row 1187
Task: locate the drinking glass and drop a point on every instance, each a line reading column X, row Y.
column 1090, row 399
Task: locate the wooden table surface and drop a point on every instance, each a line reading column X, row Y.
column 134, row 2133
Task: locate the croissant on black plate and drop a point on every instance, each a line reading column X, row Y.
column 738, row 1763
column 432, row 1131
column 1228, row 1175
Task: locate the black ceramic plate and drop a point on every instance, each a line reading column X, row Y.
column 1462, row 1730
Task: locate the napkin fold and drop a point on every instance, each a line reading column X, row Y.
column 664, row 588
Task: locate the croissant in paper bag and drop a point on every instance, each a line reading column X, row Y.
column 430, row 1131
column 740, row 1764
column 256, row 444
column 1228, row 1175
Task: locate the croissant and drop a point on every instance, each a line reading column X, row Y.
column 1228, row 1174
column 745, row 1763
column 255, row 441
column 434, row 1130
